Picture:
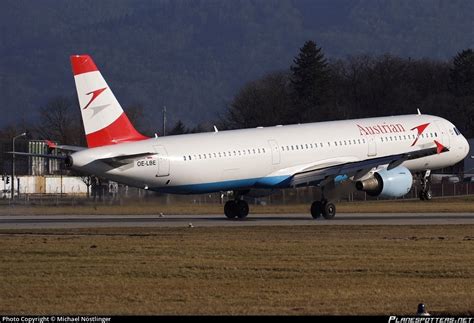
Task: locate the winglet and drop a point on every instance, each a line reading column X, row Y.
column 440, row 148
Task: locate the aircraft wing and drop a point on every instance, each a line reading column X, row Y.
column 326, row 171
column 18, row 153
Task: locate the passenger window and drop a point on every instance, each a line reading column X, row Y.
column 345, row 144
column 358, row 140
column 296, row 147
column 335, row 143
column 189, row 157
column 199, row 156
column 381, row 139
column 340, row 143
column 253, row 150
column 321, row 144
column 184, row 158
column 306, row 146
column 240, row 153
column 263, row 150
column 220, row 155
column 311, row 145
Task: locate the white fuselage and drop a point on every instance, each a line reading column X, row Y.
column 266, row 157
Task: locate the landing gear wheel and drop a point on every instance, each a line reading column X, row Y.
column 230, row 209
column 425, row 186
column 242, row 209
column 329, row 211
column 428, row 195
column 422, row 195
column 316, row 209
column 236, row 208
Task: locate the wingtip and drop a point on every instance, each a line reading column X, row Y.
column 440, row 147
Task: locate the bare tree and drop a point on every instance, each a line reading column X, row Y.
column 60, row 120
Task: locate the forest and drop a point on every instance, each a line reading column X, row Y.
column 194, row 56
column 311, row 89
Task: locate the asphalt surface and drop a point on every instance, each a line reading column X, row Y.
column 123, row 221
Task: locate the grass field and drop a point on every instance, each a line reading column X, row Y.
column 458, row 204
column 253, row 270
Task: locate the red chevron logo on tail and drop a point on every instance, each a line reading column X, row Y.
column 95, row 94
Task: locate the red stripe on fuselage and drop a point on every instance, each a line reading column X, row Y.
column 119, row 131
column 82, row 64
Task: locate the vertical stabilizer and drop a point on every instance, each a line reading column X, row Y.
column 105, row 122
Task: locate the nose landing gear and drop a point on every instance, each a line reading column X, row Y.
column 425, row 185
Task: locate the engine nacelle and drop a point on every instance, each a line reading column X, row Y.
column 387, row 183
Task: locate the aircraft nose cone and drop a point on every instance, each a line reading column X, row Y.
column 466, row 147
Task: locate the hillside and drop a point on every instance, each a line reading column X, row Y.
column 193, row 56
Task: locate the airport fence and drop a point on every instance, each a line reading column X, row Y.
column 123, row 195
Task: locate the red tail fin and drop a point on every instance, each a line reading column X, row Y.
column 105, row 122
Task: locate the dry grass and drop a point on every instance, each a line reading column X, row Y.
column 459, row 204
column 252, row 270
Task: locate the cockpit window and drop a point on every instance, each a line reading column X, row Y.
column 457, row 131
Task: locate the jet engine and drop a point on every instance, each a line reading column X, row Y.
column 387, row 183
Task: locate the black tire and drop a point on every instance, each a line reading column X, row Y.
column 316, row 209
column 230, row 209
column 242, row 209
column 422, row 195
column 428, row 195
column 329, row 211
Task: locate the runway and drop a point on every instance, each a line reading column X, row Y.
column 122, row 221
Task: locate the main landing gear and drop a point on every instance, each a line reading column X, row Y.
column 236, row 209
column 425, row 186
column 325, row 208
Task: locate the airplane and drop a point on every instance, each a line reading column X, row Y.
column 381, row 156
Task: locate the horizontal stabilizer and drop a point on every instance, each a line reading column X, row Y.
column 52, row 145
column 36, row 155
